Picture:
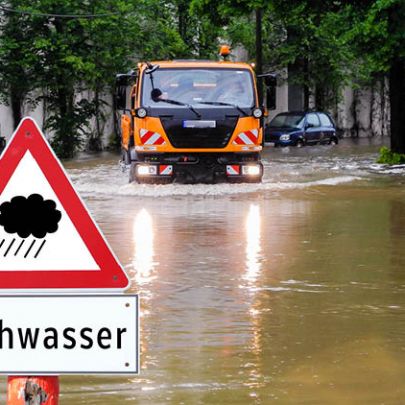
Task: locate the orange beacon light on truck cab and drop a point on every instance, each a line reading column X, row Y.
column 225, row 51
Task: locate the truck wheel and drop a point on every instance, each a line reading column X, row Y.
column 132, row 176
column 125, row 157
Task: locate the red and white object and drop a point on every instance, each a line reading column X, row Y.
column 76, row 256
column 39, row 389
column 232, row 170
column 150, row 137
column 165, row 170
column 247, row 138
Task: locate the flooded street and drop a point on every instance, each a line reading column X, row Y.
column 289, row 291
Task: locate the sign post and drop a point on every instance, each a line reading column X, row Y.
column 49, row 245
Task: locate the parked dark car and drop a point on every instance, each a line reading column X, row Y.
column 301, row 128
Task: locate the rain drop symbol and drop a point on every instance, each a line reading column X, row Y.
column 32, row 219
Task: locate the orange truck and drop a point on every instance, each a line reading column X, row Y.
column 191, row 121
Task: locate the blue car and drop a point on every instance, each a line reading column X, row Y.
column 301, row 128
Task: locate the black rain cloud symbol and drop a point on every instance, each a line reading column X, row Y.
column 26, row 217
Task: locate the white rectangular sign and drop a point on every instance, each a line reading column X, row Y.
column 69, row 334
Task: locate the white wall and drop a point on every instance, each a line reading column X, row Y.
column 6, row 121
column 6, row 118
column 362, row 113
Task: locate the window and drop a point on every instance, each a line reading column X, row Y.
column 313, row 120
column 286, row 121
column 325, row 120
column 199, row 87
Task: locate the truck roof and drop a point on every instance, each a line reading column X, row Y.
column 202, row 64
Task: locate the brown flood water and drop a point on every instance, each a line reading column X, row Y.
column 292, row 291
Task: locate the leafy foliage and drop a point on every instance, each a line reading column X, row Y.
column 390, row 158
column 18, row 67
column 70, row 63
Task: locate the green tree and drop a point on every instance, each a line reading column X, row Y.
column 110, row 50
column 63, row 46
column 206, row 32
column 158, row 36
column 55, row 51
column 308, row 36
column 378, row 36
column 18, row 65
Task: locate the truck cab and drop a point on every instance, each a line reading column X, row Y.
column 191, row 122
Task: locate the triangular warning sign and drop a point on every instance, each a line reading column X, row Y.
column 47, row 237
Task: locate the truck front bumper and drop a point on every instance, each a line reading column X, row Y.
column 191, row 173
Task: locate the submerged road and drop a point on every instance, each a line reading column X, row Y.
column 290, row 291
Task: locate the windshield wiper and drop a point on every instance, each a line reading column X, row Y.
column 175, row 102
column 225, row 104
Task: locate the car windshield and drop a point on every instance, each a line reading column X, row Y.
column 287, row 121
column 198, row 87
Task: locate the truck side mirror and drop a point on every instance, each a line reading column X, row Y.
column 121, row 84
column 122, row 81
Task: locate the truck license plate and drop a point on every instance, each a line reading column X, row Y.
column 199, row 124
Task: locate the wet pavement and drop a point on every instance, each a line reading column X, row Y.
column 289, row 291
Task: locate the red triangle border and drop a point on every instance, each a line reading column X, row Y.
column 111, row 276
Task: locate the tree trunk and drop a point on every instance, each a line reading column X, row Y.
column 95, row 143
column 354, row 131
column 306, row 81
column 182, row 22
column 16, row 106
column 319, row 98
column 397, row 97
column 259, row 54
column 65, row 132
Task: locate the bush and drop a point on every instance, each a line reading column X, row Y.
column 390, row 158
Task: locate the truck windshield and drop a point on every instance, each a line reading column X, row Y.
column 287, row 121
column 195, row 86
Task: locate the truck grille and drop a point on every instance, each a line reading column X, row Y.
column 199, row 138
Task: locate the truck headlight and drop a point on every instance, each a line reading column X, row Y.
column 251, row 170
column 146, row 170
column 285, row 137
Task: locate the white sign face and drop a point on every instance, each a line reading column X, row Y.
column 93, row 334
column 60, row 250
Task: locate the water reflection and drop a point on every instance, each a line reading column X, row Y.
column 253, row 244
column 251, row 276
column 397, row 233
column 143, row 270
column 143, row 237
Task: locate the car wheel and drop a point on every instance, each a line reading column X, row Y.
column 300, row 143
column 333, row 141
